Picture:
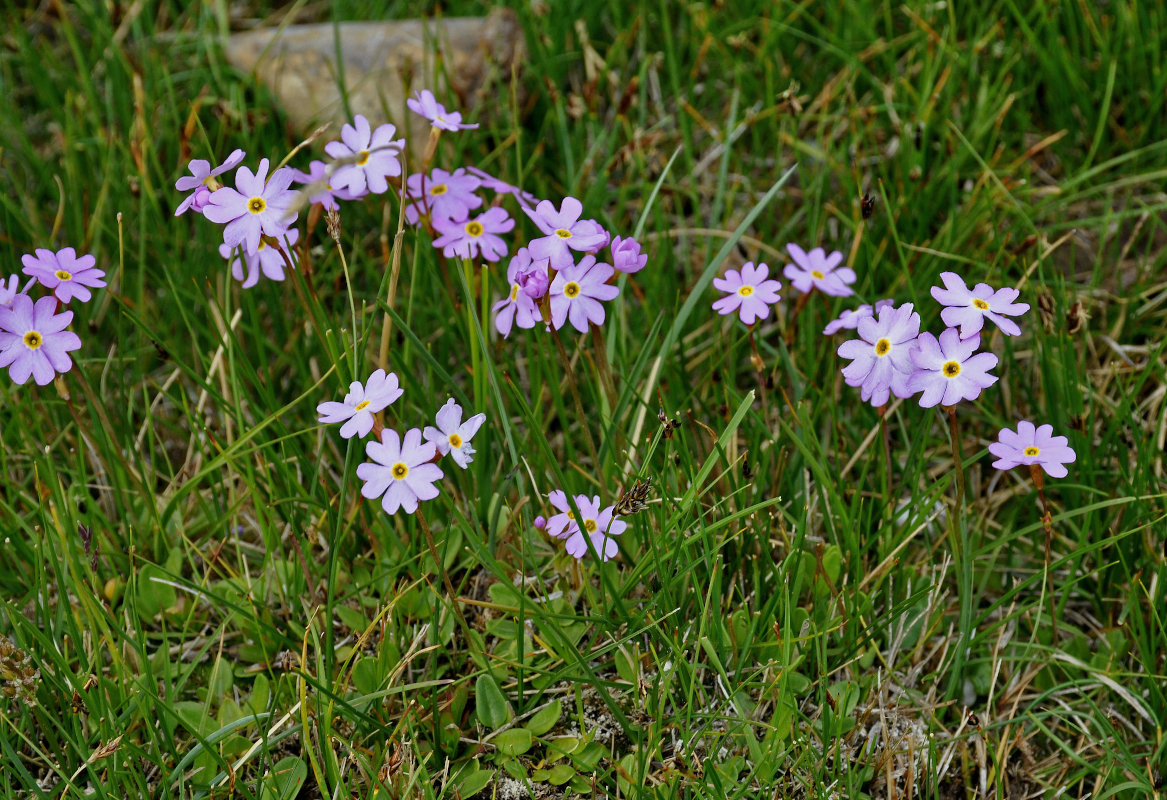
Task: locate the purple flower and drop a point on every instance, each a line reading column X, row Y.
column 817, row 270
column 599, row 526
column 423, row 103
column 320, row 188
column 520, row 306
column 968, row 309
column 369, row 157
column 577, row 291
column 469, row 238
column 8, row 289
column 749, row 292
column 441, row 195
column 361, row 403
column 401, row 471
column 540, row 522
column 256, row 207
column 947, row 371
column 562, row 525
column 452, row 436
column 33, row 339
column 64, row 273
column 626, row 255
column 1030, row 445
column 266, row 259
column 565, row 232
column 849, row 319
column 526, row 199
column 881, row 356
column 201, row 181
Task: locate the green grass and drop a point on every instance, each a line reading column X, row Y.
column 789, row 617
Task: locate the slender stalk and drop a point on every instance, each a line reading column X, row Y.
column 605, row 369
column 1047, row 523
column 440, row 566
column 962, row 556
column 957, row 457
column 579, row 409
column 803, row 299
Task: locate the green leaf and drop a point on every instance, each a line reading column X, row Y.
column 545, row 718
column 514, row 742
column 493, row 709
column 560, row 774
column 285, row 779
column 472, row 779
column 367, row 675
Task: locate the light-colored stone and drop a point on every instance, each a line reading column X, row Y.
column 471, row 56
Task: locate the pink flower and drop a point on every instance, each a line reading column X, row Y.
column 969, row 309
column 64, row 273
column 882, row 355
column 369, row 157
column 565, row 232
column 561, row 525
column 849, row 319
column 577, row 291
column 361, row 403
column 626, row 255
column 33, row 339
column 400, row 470
column 8, row 289
column 452, row 436
column 423, row 103
column 817, row 270
column 1033, row 445
column 520, row 306
column 201, row 181
column 947, row 371
column 441, row 195
column 255, row 208
column 748, row 292
column 598, row 526
column 265, row 259
column 468, row 239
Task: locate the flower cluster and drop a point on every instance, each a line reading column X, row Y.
column 34, row 341
column 751, row 291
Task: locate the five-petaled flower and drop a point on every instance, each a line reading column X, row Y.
column 441, row 195
column 817, row 270
column 201, row 181
column 1033, row 445
column 426, row 105
column 968, row 308
column 33, row 339
column 881, row 357
column 749, row 292
column 480, row 235
column 401, row 470
column 256, row 206
column 452, row 436
column 597, row 525
column 947, row 371
column 577, row 291
column 368, row 157
column 66, row 274
column 361, row 403
column 529, row 283
column 565, row 232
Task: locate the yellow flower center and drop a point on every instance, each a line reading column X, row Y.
column 981, row 304
column 814, row 273
column 33, row 340
column 400, row 470
column 746, row 291
column 62, row 275
column 1032, row 451
column 590, row 525
column 951, row 369
column 474, row 229
column 262, row 245
column 571, row 290
column 455, row 441
column 439, row 188
column 882, row 347
column 514, row 292
column 362, row 158
column 361, row 406
column 571, row 515
column 256, row 205
column 563, row 233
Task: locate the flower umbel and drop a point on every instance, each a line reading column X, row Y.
column 400, row 470
column 1033, row 445
column 749, row 292
column 452, row 436
column 361, row 403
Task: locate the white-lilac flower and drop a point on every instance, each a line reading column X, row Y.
column 361, row 403
column 598, row 525
column 441, row 195
column 201, row 181
column 1033, row 445
column 881, row 357
column 65, row 273
column 565, row 232
column 246, row 267
column 750, row 292
column 401, row 472
column 33, row 339
column 367, row 157
column 469, row 238
column 849, row 319
column 969, row 308
column 256, row 207
column 452, row 436
column 949, row 369
column 626, row 255
column 817, row 270
column 319, row 187
column 520, row 306
column 577, row 292
column 426, row 105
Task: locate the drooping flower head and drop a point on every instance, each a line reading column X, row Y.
column 452, row 436
column 400, row 470
column 369, row 156
column 520, row 306
column 361, row 403
column 849, row 319
column 441, row 195
column 426, row 105
column 947, row 371
column 33, row 339
column 577, row 292
column 1033, row 445
column 565, row 231
column 599, row 526
column 63, row 272
column 881, row 357
column 626, row 255
column 267, row 260
column 817, row 270
column 969, row 308
column 255, row 207
column 469, row 238
column 749, row 292
column 201, row 181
